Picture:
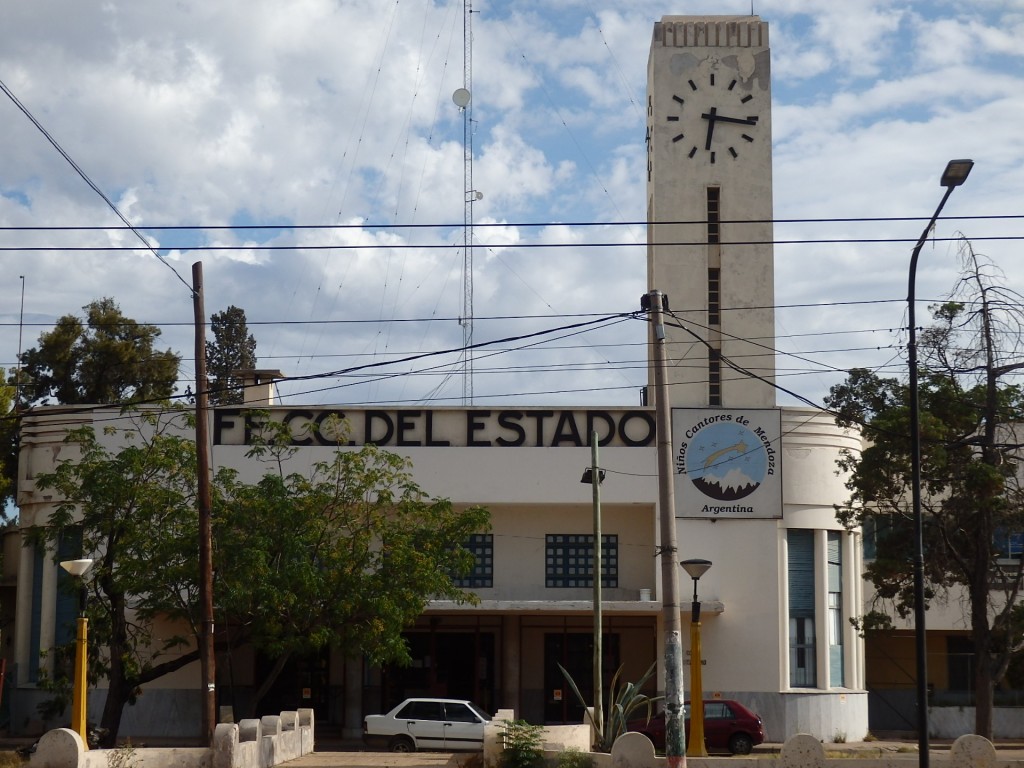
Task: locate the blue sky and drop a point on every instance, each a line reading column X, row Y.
column 340, row 113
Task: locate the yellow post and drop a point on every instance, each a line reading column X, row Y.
column 695, row 743
column 78, row 713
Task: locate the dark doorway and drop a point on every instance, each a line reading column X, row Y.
column 575, row 652
column 303, row 683
column 456, row 665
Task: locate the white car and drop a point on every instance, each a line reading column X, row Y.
column 446, row 724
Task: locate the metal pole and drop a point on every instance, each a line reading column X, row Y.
column 696, row 747
column 595, row 483
column 79, row 697
column 675, row 737
column 955, row 174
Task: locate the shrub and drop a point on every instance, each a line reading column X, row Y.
column 574, row 757
column 522, row 745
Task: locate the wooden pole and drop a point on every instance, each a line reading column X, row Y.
column 207, row 660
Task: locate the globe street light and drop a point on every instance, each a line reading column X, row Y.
column 77, row 569
column 695, row 745
column 955, row 174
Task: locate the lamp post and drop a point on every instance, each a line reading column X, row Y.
column 695, row 744
column 594, row 476
column 955, row 174
column 77, row 569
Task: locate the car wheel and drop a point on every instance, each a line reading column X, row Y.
column 402, row 744
column 740, row 744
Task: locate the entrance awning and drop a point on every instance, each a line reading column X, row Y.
column 635, row 607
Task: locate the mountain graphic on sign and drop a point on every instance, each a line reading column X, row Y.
column 735, row 484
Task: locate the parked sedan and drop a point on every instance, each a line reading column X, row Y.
column 447, row 724
column 728, row 727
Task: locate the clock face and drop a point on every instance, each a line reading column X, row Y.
column 712, row 115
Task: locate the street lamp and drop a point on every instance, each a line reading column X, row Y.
column 955, row 174
column 593, row 476
column 695, row 745
column 77, row 569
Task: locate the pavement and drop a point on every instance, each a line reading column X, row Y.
column 335, row 753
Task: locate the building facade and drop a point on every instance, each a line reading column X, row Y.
column 755, row 484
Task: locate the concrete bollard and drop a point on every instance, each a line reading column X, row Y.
column 802, row 751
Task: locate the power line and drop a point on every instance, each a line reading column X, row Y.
column 503, row 225
column 518, row 246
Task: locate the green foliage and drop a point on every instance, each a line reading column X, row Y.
column 971, row 496
column 623, row 703
column 233, row 348
column 522, row 745
column 347, row 553
column 8, row 446
column 129, row 508
column 108, row 359
column 574, row 757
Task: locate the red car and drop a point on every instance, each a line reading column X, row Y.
column 728, row 727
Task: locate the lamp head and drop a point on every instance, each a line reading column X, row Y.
column 956, row 172
column 588, row 476
column 77, row 568
column 696, row 568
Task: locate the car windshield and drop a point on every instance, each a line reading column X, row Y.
column 480, row 711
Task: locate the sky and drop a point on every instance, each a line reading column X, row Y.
column 310, row 155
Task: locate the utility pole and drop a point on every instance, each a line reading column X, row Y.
column 207, row 661
column 675, row 737
column 595, row 483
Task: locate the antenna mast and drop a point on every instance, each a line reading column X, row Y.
column 463, row 97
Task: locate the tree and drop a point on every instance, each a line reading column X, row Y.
column 346, row 553
column 130, row 509
column 107, row 359
column 8, row 445
column 972, row 496
column 232, row 349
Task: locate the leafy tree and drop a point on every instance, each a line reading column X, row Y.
column 346, row 554
column 8, row 445
column 107, row 359
column 972, row 499
column 232, row 349
column 131, row 508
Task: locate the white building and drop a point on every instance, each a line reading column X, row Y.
column 755, row 484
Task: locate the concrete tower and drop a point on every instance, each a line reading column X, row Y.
column 709, row 198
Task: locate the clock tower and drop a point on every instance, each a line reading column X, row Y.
column 709, row 200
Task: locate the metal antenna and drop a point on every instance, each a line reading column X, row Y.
column 469, row 198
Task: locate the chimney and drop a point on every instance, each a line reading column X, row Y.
column 259, row 385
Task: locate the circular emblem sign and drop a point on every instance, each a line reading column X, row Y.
column 726, row 461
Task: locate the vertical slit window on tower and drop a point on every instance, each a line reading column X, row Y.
column 714, row 377
column 714, row 296
column 714, row 214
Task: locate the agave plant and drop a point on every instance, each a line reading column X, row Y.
column 625, row 702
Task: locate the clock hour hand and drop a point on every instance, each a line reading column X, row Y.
column 711, row 126
column 742, row 121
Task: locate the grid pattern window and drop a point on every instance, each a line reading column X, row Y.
column 569, row 560
column 835, row 608
column 714, row 296
column 482, row 574
column 802, row 655
column 714, row 214
column 1009, row 544
column 714, row 377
